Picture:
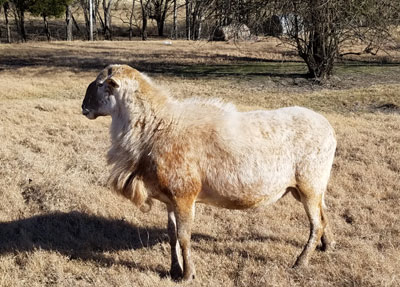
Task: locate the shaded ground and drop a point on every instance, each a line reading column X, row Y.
column 276, row 68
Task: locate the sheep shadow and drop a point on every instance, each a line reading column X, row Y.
column 84, row 237
column 79, row 236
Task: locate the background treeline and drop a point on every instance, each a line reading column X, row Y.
column 317, row 29
column 115, row 19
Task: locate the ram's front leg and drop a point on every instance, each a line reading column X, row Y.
column 176, row 262
column 184, row 212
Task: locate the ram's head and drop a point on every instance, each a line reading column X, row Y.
column 100, row 97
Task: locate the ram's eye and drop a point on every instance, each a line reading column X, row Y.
column 100, row 85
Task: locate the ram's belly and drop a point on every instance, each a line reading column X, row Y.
column 245, row 181
column 230, row 202
column 243, row 196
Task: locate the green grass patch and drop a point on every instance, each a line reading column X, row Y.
column 241, row 69
column 343, row 68
column 274, row 69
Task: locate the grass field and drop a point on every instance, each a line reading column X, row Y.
column 60, row 225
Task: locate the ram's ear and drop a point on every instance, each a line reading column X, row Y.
column 113, row 82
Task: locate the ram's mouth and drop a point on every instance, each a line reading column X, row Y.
column 89, row 114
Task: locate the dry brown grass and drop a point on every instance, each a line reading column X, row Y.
column 61, row 225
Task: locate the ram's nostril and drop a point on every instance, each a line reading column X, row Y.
column 85, row 112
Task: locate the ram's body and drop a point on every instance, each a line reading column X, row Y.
column 182, row 152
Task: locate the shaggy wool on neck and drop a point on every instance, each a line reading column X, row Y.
column 137, row 120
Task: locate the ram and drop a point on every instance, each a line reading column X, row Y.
column 183, row 152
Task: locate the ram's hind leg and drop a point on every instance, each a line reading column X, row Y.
column 327, row 237
column 312, row 202
column 327, row 240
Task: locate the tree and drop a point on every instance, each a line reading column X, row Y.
column 175, row 22
column 107, row 19
column 6, row 8
column 220, row 13
column 129, row 17
column 318, row 29
column 144, row 4
column 86, row 13
column 158, row 11
column 201, row 10
column 20, row 7
column 48, row 8
column 106, row 22
column 68, row 23
column 188, row 6
column 0, row 12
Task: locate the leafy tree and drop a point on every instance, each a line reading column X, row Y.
column 48, row 8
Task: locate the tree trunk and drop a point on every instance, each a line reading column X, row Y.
column 131, row 20
column 8, row 31
column 95, row 11
column 144, row 19
column 199, row 26
column 87, row 13
column 322, row 45
column 160, row 28
column 107, row 19
column 22, row 26
column 46, row 28
column 7, row 26
column 163, row 15
column 20, row 23
column 196, row 20
column 0, row 27
column 193, row 25
column 175, row 28
column 69, row 22
column 316, row 39
column 144, row 27
column 76, row 24
column 188, row 6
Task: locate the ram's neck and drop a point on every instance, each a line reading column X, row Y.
column 135, row 123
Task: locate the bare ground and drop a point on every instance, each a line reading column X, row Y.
column 61, row 225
